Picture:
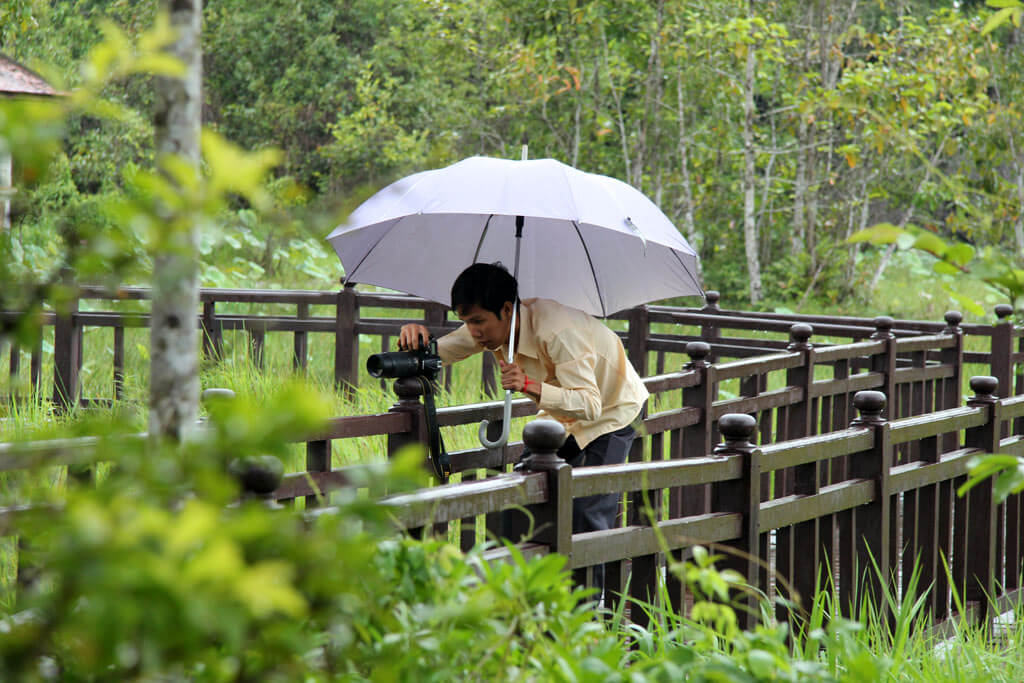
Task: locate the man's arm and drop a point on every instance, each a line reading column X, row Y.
column 578, row 395
column 452, row 347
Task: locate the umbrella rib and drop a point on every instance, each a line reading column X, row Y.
column 348, row 277
column 687, row 271
column 483, row 235
column 590, row 262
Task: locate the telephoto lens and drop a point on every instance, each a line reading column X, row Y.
column 393, row 364
column 423, row 362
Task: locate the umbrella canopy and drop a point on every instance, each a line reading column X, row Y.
column 588, row 241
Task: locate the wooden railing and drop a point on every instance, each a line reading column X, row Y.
column 652, row 332
column 862, row 447
column 883, row 512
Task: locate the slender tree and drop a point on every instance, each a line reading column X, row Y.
column 750, row 235
column 174, row 369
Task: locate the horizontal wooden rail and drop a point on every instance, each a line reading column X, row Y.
column 597, row 547
column 455, row 501
column 942, row 422
column 815, row 448
column 592, row 481
column 790, row 510
column 917, row 474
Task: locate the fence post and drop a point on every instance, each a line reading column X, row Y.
column 697, row 439
column 550, row 522
column 118, row 362
column 35, row 366
column 636, row 340
column 213, row 337
column 1001, row 357
column 553, row 519
column 409, row 390
column 742, row 495
column 300, row 344
column 804, row 548
column 886, row 363
column 66, row 352
column 258, row 476
column 949, row 393
column 709, row 332
column 346, row 340
column 981, row 518
column 865, row 531
column 318, row 459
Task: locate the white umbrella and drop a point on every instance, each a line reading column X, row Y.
column 588, row 241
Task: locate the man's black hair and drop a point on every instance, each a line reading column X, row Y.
column 487, row 285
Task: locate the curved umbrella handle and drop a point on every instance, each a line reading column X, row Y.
column 507, row 419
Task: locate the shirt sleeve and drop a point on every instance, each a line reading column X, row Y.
column 578, row 395
column 457, row 345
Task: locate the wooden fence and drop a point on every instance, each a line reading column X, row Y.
column 827, row 489
column 885, row 511
column 862, row 445
column 650, row 334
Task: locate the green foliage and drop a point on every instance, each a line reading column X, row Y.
column 991, row 266
column 1009, row 11
column 1007, row 470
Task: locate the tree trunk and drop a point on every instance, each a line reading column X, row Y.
column 750, row 236
column 6, row 180
column 174, row 358
column 689, row 223
column 1017, row 163
column 865, row 215
column 799, row 236
column 1018, row 225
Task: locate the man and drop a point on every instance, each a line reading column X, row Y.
column 571, row 364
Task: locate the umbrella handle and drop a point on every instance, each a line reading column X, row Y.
column 506, row 418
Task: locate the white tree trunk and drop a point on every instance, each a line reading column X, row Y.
column 1018, row 165
column 1018, row 226
column 174, row 356
column 799, row 237
column 6, row 179
column 750, row 236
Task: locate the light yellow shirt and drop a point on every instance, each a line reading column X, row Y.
column 587, row 382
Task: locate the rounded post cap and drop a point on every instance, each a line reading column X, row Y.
column 544, row 436
column 711, row 297
column 698, row 351
column 799, row 333
column 214, row 394
column 737, row 427
column 870, row 405
column 408, row 388
column 953, row 318
column 258, row 475
column 1003, row 311
column 984, row 386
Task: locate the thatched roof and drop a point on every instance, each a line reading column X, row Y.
column 16, row 79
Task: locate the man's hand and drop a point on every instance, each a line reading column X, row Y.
column 514, row 379
column 413, row 336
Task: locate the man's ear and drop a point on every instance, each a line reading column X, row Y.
column 506, row 310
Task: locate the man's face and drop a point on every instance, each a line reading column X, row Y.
column 487, row 328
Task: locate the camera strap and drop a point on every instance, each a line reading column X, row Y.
column 439, row 458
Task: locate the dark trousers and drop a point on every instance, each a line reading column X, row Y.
column 596, row 513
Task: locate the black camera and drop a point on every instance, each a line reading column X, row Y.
column 423, row 362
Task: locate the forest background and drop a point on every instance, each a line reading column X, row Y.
column 769, row 132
